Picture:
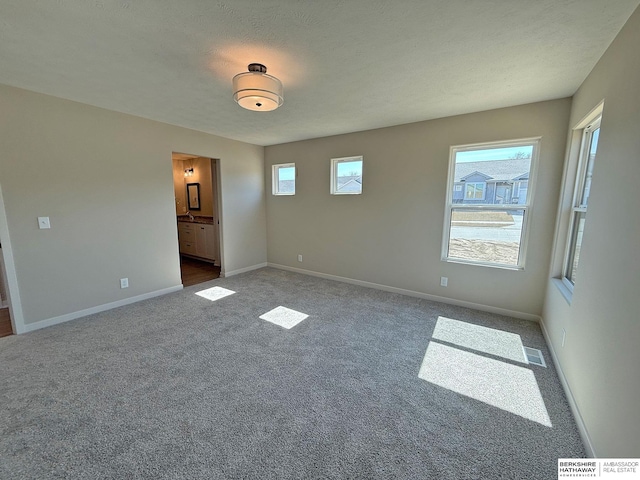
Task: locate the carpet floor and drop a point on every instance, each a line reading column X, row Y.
column 369, row 385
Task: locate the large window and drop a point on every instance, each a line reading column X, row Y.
column 284, row 179
column 588, row 150
column 346, row 176
column 488, row 203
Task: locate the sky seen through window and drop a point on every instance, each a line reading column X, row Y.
column 487, row 154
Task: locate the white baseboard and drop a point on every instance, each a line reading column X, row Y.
column 30, row 327
column 582, row 428
column 411, row 293
column 243, row 270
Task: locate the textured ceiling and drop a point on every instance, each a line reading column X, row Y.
column 346, row 65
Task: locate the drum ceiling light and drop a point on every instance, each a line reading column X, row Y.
column 257, row 91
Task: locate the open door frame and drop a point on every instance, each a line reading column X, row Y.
column 218, row 210
column 13, row 292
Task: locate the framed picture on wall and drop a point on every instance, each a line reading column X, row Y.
column 193, row 196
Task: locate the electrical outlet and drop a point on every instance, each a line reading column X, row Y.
column 444, row 281
column 43, row 223
column 299, row 258
column 124, row 283
column 564, row 336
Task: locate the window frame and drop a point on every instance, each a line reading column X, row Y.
column 526, row 207
column 578, row 208
column 334, row 174
column 275, row 179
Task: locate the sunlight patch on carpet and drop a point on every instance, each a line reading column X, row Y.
column 215, row 293
column 284, row 317
column 482, row 339
column 509, row 387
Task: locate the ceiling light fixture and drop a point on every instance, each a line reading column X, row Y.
column 257, row 91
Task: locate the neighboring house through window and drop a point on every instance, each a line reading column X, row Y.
column 284, row 179
column 488, row 203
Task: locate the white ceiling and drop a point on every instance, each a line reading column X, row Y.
column 346, row 65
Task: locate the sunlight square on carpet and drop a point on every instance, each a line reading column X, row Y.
column 284, row 317
column 215, row 293
column 481, row 339
column 497, row 383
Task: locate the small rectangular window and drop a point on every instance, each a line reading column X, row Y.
column 284, row 179
column 475, row 190
column 346, row 176
column 588, row 149
column 488, row 203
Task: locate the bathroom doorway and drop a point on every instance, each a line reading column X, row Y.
column 6, row 328
column 196, row 181
column 11, row 318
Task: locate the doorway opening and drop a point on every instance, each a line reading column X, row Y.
column 6, row 328
column 11, row 317
column 196, row 182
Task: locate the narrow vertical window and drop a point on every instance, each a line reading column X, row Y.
column 284, row 179
column 346, row 176
column 584, row 176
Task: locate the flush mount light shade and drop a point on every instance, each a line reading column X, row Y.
column 255, row 90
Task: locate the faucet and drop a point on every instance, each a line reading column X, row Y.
column 190, row 216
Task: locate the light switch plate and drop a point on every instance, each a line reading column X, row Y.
column 43, row 222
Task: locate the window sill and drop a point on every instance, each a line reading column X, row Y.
column 566, row 293
column 482, row 264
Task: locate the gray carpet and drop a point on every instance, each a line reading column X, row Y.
column 184, row 387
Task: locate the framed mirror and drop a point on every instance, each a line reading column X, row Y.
column 193, row 196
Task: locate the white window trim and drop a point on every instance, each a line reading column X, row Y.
column 334, row 174
column 275, row 179
column 526, row 207
column 578, row 190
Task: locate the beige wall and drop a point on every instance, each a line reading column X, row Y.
column 392, row 233
column 105, row 180
column 601, row 356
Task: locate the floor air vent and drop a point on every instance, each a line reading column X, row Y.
column 534, row 356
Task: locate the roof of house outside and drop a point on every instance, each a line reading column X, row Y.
column 349, row 184
column 287, row 186
column 497, row 170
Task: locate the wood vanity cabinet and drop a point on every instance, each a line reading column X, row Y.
column 198, row 240
column 205, row 241
column 187, row 238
